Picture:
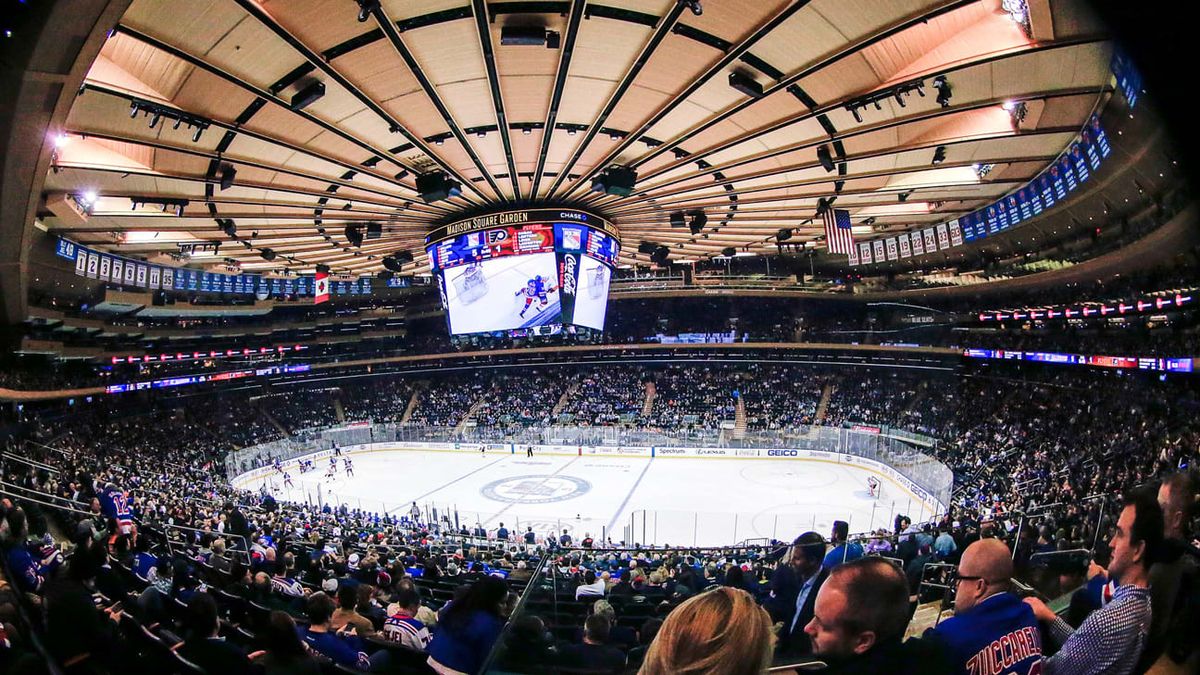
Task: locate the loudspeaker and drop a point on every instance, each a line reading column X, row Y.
column 615, row 180
column 307, row 96
column 374, row 230
column 746, row 85
column 647, row 247
column 436, row 186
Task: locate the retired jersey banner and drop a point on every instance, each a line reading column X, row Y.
column 864, row 253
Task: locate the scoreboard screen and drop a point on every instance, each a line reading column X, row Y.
column 524, row 270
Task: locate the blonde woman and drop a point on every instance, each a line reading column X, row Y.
column 719, row 632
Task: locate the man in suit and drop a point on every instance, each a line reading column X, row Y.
column 807, row 554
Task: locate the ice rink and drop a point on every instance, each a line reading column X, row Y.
column 660, row 500
column 688, row 501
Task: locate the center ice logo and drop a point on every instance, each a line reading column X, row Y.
column 535, row 489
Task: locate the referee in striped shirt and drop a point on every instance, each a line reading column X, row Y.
column 1111, row 639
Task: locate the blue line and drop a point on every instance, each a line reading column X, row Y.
column 627, row 496
column 443, row 487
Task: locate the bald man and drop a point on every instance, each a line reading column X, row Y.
column 991, row 631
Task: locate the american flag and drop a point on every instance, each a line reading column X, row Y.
column 838, row 237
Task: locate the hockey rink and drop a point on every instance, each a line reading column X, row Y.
column 659, row 500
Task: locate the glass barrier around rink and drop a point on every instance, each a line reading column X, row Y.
column 901, row 451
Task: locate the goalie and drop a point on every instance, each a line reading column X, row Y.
column 873, row 486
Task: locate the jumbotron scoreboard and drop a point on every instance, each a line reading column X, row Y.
column 533, row 270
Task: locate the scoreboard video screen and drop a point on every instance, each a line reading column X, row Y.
column 521, row 270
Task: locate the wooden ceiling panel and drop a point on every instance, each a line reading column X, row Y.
column 772, row 171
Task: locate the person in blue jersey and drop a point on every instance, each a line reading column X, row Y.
column 992, row 630
column 116, row 507
column 535, row 289
column 842, row 551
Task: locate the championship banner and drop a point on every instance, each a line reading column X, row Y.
column 321, row 289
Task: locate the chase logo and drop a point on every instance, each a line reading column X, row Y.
column 782, row 453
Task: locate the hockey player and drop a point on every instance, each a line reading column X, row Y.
column 287, row 480
column 873, row 486
column 348, row 466
column 535, row 288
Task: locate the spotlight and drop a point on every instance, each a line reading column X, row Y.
column 693, row 5
column 392, row 264
column 939, row 155
column 88, row 197
column 857, row 116
column 746, row 85
column 61, row 140
column 436, row 186
column 365, row 8
column 227, row 174
column 825, row 157
column 196, row 136
column 944, row 91
column 903, row 196
column 267, row 254
column 783, row 234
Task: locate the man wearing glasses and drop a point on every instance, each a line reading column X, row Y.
column 991, row 631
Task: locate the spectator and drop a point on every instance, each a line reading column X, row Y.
column 595, row 652
column 1175, row 582
column 527, row 645
column 620, row 636
column 219, row 561
column 468, row 628
column 646, row 637
column 205, row 647
column 859, row 620
column 402, row 624
column 805, row 566
column 987, row 614
column 842, row 550
column 591, row 586
column 1111, row 640
column 346, row 615
column 284, row 653
column 341, row 647
column 719, row 632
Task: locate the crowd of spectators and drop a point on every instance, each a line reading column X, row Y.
column 123, row 508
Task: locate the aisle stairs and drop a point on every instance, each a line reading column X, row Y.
column 462, row 424
column 273, row 422
column 412, row 404
column 648, row 403
column 826, row 394
column 337, row 408
column 566, row 396
column 739, row 419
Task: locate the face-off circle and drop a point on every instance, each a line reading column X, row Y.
column 535, row 489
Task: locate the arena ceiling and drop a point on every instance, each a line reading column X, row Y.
column 426, row 85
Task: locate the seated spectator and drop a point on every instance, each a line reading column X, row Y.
column 859, row 620
column 595, row 652
column 284, row 653
column 341, row 647
column 1111, row 640
column 284, row 582
column 591, row 586
column 219, row 561
column 402, row 624
column 646, row 637
column 346, row 615
column 1175, row 610
column 986, row 614
column 620, row 636
column 719, row 632
column 204, row 646
column 469, row 627
column 842, row 551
